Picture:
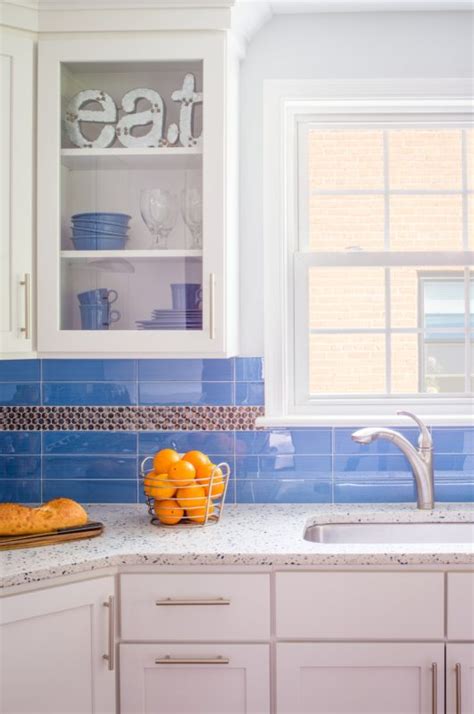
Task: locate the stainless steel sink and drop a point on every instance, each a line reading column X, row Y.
column 414, row 533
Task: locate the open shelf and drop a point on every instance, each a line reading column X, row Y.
column 173, row 158
column 129, row 254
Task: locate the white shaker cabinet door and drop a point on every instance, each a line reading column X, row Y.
column 194, row 679
column 343, row 678
column 52, row 647
column 16, row 193
column 460, row 679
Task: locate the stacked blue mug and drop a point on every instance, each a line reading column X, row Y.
column 100, row 231
column 94, row 306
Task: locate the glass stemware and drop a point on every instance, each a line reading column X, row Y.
column 191, row 210
column 159, row 209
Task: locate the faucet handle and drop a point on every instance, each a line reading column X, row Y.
column 424, row 441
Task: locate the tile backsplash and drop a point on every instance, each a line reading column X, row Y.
column 182, row 403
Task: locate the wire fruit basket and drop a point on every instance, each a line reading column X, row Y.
column 185, row 504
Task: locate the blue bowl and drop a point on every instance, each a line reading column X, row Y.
column 99, row 243
column 100, row 217
column 103, row 228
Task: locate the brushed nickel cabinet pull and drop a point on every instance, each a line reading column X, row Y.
column 434, row 687
column 458, row 688
column 110, row 656
column 205, row 601
column 192, row 660
column 26, row 283
column 212, row 306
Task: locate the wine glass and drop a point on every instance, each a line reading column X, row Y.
column 191, row 210
column 159, row 209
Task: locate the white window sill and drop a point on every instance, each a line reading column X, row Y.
column 349, row 421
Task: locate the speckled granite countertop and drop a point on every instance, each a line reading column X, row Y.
column 247, row 535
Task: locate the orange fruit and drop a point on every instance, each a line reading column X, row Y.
column 196, row 458
column 182, row 473
column 191, row 497
column 163, row 460
column 168, row 512
column 203, row 476
column 159, row 487
column 198, row 515
column 149, row 481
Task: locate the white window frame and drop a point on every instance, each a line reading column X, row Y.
column 286, row 104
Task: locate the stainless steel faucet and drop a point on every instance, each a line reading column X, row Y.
column 420, row 459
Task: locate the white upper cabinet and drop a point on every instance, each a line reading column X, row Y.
column 134, row 193
column 16, row 193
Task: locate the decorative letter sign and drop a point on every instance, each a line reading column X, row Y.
column 188, row 98
column 107, row 115
column 153, row 115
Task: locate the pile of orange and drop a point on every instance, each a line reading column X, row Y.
column 181, row 486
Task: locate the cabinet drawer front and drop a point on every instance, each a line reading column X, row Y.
column 350, row 605
column 461, row 606
column 186, row 607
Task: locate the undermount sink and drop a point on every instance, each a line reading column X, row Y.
column 414, row 533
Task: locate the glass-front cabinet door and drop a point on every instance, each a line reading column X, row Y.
column 132, row 190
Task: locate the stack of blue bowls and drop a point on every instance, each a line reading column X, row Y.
column 100, row 231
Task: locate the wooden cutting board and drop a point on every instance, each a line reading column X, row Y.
column 90, row 530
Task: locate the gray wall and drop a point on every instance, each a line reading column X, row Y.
column 329, row 46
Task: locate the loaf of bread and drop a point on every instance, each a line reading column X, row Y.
column 51, row 516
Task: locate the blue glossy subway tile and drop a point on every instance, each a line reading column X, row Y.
column 24, row 394
column 377, row 491
column 249, row 369
column 216, row 442
column 185, row 370
column 89, row 370
column 90, row 467
column 20, row 467
column 283, row 491
column 343, row 443
column 20, row 491
column 20, row 442
column 454, row 465
column 20, row 370
column 454, row 441
column 89, row 442
column 284, row 465
column 366, row 467
column 249, row 394
column 284, row 441
column 86, row 491
column 89, row 393
column 185, row 393
column 457, row 492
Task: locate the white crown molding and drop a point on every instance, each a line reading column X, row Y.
column 286, row 7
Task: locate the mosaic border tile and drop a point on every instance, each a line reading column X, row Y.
column 206, row 418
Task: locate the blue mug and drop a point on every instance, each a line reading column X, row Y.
column 96, row 297
column 97, row 317
column 186, row 296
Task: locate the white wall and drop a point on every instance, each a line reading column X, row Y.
column 329, row 46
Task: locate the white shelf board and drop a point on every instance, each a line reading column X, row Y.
column 167, row 158
column 129, row 254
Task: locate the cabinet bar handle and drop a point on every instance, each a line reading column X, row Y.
column 212, row 306
column 26, row 283
column 434, row 687
column 205, row 601
column 110, row 656
column 458, row 689
column 192, row 660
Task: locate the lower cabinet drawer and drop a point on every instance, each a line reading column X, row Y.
column 186, row 607
column 360, row 605
column 461, row 606
column 216, row 679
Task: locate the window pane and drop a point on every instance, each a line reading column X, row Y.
column 346, row 298
column 470, row 222
column 443, row 363
column 425, row 159
column 426, row 223
column 340, row 223
column 407, row 298
column 405, row 364
column 346, row 159
column 347, row 364
column 470, row 158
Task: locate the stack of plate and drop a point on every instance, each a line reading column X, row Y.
column 190, row 319
column 100, row 231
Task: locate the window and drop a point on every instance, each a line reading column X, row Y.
column 376, row 249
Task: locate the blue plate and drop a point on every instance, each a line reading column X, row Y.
column 111, row 217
